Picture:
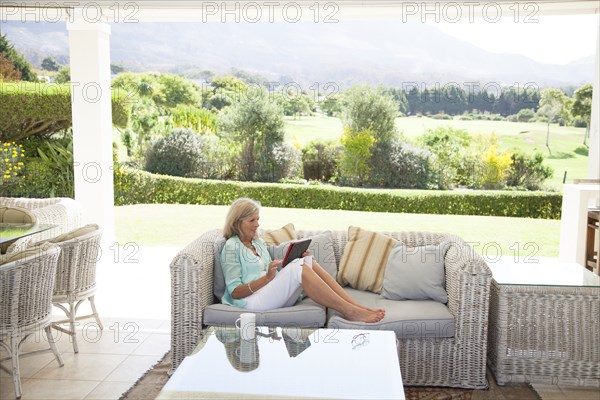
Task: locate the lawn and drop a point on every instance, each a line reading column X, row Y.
column 523, row 136
column 177, row 225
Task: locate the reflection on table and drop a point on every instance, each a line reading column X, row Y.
column 10, row 232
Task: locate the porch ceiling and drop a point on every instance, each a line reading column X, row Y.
column 217, row 11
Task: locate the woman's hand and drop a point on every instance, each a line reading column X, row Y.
column 272, row 270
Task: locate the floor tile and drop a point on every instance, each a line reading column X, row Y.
column 7, row 389
column 156, row 344
column 30, row 365
column 110, row 341
column 581, row 393
column 41, row 389
column 109, row 390
column 132, row 368
column 549, row 392
column 89, row 367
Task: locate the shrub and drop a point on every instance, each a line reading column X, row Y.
column 441, row 116
column 582, row 151
column 139, row 187
column 30, row 109
column 407, row 167
column 450, row 147
column 288, row 159
column 579, row 122
column 528, row 171
column 357, row 154
column 495, row 167
column 525, row 115
column 320, row 159
column 180, row 153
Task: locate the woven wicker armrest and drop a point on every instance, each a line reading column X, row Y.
column 468, row 280
column 191, row 291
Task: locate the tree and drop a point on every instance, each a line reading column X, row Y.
column 174, row 90
column 553, row 103
column 582, row 107
column 357, row 154
column 50, row 64
column 16, row 59
column 370, row 109
column 8, row 72
column 116, row 69
column 367, row 108
column 331, row 105
column 256, row 124
column 63, row 76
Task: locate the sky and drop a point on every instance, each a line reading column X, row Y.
column 548, row 39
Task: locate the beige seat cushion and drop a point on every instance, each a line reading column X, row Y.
column 16, row 215
column 18, row 255
column 79, row 232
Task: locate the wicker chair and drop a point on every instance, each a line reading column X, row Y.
column 61, row 211
column 26, row 285
column 76, row 276
column 458, row 361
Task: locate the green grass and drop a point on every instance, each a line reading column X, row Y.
column 522, row 136
column 177, row 225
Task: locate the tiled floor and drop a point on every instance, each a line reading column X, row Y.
column 133, row 299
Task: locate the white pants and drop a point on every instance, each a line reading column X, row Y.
column 283, row 291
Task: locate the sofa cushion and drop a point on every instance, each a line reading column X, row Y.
column 415, row 273
column 76, row 233
column 218, row 276
column 321, row 247
column 17, row 215
column 283, row 234
column 304, row 314
column 363, row 262
column 407, row 318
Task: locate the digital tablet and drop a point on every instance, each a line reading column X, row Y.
column 295, row 250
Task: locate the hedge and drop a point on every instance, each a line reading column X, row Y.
column 140, row 187
column 43, row 108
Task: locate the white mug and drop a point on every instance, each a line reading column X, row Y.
column 246, row 323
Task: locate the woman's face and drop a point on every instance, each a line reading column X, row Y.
column 249, row 226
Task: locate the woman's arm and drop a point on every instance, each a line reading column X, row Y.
column 245, row 290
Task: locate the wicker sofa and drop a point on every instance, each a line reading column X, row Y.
column 61, row 211
column 457, row 359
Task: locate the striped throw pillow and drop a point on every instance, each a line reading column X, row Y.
column 364, row 259
column 280, row 235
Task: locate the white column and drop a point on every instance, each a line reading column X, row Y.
column 573, row 222
column 92, row 121
column 594, row 156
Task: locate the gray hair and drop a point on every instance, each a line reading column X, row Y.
column 239, row 210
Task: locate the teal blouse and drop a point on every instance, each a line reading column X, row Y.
column 241, row 266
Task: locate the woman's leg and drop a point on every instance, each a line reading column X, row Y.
column 319, row 291
column 335, row 286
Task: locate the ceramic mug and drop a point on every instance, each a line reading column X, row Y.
column 246, row 323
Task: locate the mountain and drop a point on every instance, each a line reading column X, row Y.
column 381, row 52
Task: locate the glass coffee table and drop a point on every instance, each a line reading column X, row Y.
column 10, row 232
column 289, row 363
column 544, row 323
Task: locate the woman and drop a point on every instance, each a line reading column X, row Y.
column 254, row 283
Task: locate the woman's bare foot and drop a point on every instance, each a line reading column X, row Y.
column 360, row 314
column 379, row 310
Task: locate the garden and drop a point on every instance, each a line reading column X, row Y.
column 205, row 141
